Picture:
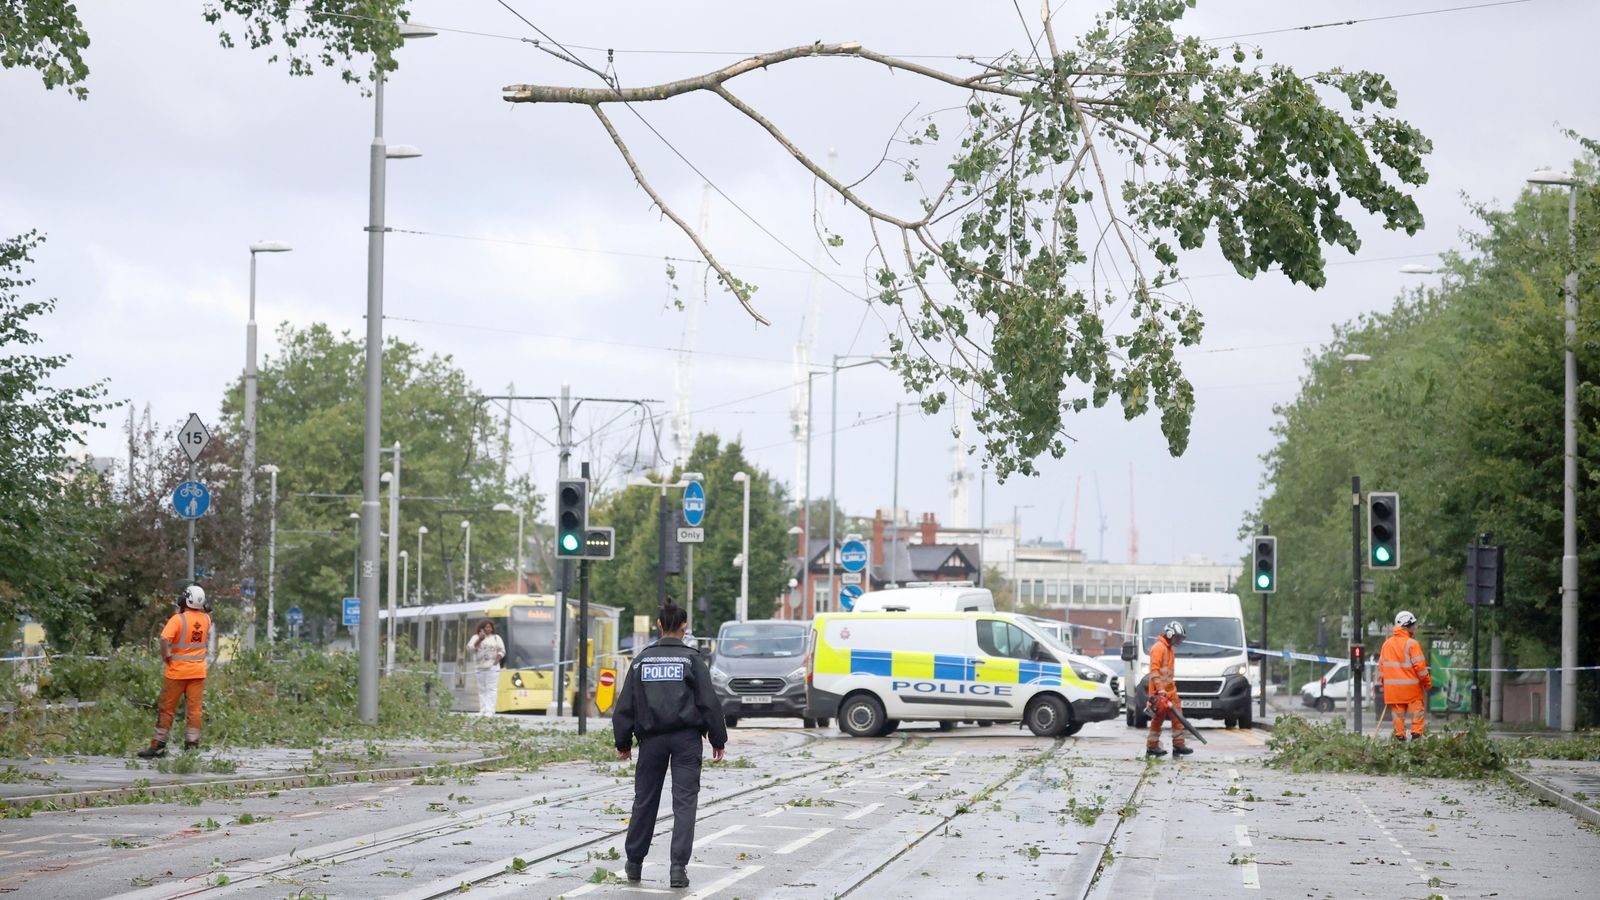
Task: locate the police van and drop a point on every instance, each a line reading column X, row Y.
column 957, row 596
column 872, row 671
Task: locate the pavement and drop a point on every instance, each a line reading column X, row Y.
column 813, row 813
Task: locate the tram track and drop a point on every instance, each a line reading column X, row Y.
column 249, row 875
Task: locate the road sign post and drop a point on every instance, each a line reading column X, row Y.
column 193, row 438
column 292, row 617
column 848, row 595
column 352, row 612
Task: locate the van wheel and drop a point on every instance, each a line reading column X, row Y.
column 890, row 726
column 1247, row 720
column 1047, row 715
column 1140, row 720
column 862, row 716
column 822, row 723
column 1073, row 729
column 730, row 721
column 985, row 723
column 808, row 723
column 947, row 725
column 1230, row 723
column 1325, row 704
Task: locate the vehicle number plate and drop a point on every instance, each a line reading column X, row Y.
column 756, row 698
column 1197, row 704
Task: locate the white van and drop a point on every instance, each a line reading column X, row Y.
column 1212, row 666
column 1333, row 688
column 872, row 671
column 932, row 598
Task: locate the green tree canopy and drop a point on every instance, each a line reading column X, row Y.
column 629, row 580
column 1460, row 411
column 50, row 506
column 309, row 424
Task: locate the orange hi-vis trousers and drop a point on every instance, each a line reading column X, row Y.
column 167, row 707
column 1401, row 711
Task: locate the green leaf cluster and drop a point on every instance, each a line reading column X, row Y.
column 1460, row 411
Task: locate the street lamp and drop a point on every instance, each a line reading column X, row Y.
column 272, row 552
column 833, row 459
column 367, row 642
column 743, row 611
column 422, row 531
column 506, row 507
column 1414, row 269
column 247, row 495
column 405, row 568
column 1569, row 453
column 466, row 564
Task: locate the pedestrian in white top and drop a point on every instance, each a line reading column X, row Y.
column 489, row 651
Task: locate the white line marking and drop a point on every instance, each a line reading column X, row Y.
column 1252, row 878
column 580, row 891
column 864, row 811
column 1241, row 833
column 745, row 846
column 910, row 788
column 1405, row 852
column 715, row 886
column 773, row 812
column 390, row 790
column 711, row 838
column 1233, row 774
column 796, row 845
column 307, row 815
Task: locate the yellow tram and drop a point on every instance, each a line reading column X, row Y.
column 527, row 625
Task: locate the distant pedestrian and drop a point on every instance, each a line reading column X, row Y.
column 488, row 652
column 1403, row 673
column 183, row 649
column 668, row 703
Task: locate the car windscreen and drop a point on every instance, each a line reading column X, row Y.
column 530, row 637
column 765, row 641
column 1204, row 634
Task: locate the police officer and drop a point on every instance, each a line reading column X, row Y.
column 667, row 701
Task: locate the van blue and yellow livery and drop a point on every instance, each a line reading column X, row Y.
column 874, row 670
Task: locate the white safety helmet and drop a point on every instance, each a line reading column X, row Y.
column 1405, row 619
column 1174, row 632
column 194, row 597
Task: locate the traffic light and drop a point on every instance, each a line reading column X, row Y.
column 1357, row 663
column 1383, row 530
column 599, row 543
column 1265, row 579
column 1485, row 574
column 572, row 516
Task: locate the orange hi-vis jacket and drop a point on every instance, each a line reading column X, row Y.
column 1403, row 669
column 1161, row 674
column 187, row 634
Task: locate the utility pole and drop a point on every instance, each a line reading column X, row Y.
column 394, row 555
column 1356, row 680
column 894, row 503
column 582, row 700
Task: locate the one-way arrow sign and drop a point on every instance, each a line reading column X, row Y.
column 194, row 437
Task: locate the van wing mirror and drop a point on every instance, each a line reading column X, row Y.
column 1129, row 651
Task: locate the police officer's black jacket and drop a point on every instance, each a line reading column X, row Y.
column 668, row 689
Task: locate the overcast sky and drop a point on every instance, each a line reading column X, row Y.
column 151, row 191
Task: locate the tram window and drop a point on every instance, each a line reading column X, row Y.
column 452, row 637
column 530, row 636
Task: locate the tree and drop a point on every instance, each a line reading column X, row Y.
column 984, row 270
column 309, row 425
column 50, row 507
column 630, row 579
column 1459, row 410
column 49, row 37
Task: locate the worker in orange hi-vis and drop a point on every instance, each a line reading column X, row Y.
column 183, row 649
column 1403, row 672
column 1163, row 685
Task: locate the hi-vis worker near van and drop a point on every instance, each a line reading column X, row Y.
column 872, row 671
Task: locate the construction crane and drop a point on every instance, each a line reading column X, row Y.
column 1077, row 491
column 1100, row 510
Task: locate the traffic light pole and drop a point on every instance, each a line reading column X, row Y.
column 1264, row 644
column 582, row 659
column 1356, row 685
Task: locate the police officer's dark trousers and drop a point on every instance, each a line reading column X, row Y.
column 681, row 750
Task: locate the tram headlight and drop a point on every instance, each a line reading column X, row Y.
column 516, row 680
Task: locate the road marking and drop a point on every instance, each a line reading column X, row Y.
column 773, row 812
column 915, row 786
column 863, row 812
column 307, row 815
column 711, row 838
column 796, row 845
column 1252, row 878
column 1241, row 833
column 1233, row 774
column 718, row 885
column 390, row 790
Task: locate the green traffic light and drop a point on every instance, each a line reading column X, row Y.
column 1381, row 554
column 1263, row 580
column 569, row 542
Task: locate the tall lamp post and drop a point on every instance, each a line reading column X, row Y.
column 405, row 570
column 466, row 563
column 1569, row 454
column 422, row 531
column 506, row 507
column 833, row 458
column 272, row 552
column 1016, row 550
column 743, row 611
column 247, row 495
column 367, row 643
